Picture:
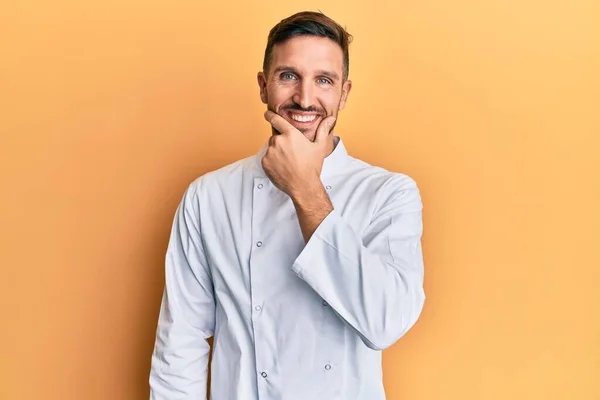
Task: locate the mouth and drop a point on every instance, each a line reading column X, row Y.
column 301, row 120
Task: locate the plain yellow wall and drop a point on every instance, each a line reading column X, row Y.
column 109, row 109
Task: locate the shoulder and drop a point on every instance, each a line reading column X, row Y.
column 380, row 176
column 387, row 185
column 221, row 179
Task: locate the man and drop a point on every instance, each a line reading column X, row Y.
column 302, row 261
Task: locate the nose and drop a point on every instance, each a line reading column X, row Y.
column 304, row 95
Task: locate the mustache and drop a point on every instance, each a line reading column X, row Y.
column 296, row 107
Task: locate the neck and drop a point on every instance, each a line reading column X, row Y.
column 330, row 145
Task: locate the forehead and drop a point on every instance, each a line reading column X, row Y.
column 308, row 53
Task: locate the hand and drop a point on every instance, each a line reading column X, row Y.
column 292, row 162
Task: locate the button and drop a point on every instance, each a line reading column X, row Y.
column 327, row 187
column 259, row 243
column 258, row 308
column 325, row 303
column 260, row 185
column 263, row 374
column 327, row 367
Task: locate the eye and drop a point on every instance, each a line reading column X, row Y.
column 324, row 80
column 287, row 76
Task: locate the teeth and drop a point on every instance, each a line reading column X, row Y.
column 300, row 118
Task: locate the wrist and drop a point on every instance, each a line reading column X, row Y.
column 309, row 194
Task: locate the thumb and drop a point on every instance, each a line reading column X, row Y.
column 324, row 129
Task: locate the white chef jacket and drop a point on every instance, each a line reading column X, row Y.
column 291, row 320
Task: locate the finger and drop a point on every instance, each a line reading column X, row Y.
column 278, row 122
column 324, row 129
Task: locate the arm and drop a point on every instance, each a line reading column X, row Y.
column 312, row 207
column 187, row 314
column 374, row 282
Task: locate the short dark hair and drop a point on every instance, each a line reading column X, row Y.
column 308, row 23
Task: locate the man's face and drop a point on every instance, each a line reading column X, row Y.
column 304, row 82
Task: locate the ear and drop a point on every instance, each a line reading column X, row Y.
column 262, row 84
column 346, row 87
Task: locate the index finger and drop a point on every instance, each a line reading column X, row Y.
column 279, row 123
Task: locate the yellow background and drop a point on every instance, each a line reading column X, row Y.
column 109, row 109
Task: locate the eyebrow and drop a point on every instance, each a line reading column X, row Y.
column 286, row 68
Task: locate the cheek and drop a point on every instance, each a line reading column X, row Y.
column 331, row 103
column 279, row 96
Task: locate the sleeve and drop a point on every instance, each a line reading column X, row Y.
column 179, row 366
column 373, row 282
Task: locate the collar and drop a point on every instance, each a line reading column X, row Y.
column 331, row 164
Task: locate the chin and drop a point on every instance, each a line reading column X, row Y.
column 310, row 135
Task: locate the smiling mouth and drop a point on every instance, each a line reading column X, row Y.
column 303, row 119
